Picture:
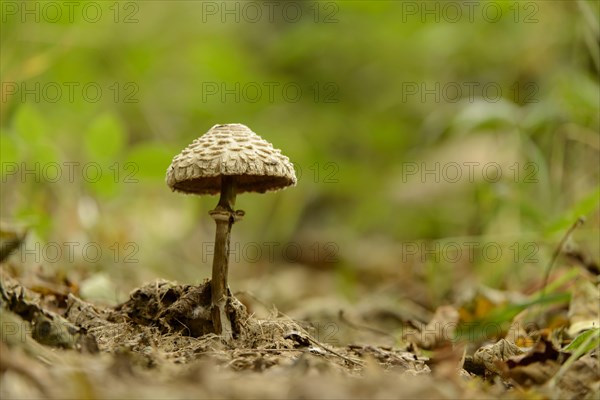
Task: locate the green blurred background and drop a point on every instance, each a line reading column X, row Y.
column 365, row 97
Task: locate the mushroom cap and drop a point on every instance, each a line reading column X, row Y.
column 230, row 150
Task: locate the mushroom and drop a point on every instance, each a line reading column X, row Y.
column 228, row 160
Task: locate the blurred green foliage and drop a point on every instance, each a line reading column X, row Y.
column 354, row 92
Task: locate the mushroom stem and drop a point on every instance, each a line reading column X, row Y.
column 224, row 217
column 227, row 199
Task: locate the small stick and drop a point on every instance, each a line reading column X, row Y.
column 313, row 341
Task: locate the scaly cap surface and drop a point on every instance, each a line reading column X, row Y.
column 231, row 150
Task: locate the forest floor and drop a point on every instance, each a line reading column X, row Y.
column 158, row 345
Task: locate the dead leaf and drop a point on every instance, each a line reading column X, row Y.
column 536, row 366
column 489, row 355
column 584, row 312
column 582, row 378
column 440, row 330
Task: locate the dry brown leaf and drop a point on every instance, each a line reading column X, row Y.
column 582, row 378
column 534, row 367
column 584, row 312
column 440, row 330
column 490, row 355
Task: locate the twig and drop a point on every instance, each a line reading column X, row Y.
column 250, row 351
column 313, row 341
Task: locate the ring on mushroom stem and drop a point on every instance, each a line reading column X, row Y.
column 228, row 160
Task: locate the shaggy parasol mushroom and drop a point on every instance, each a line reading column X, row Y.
column 228, row 159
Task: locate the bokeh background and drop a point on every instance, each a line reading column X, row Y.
column 427, row 136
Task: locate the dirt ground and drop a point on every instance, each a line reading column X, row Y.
column 159, row 344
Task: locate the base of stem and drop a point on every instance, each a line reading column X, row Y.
column 221, row 321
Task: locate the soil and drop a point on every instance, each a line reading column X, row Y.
column 160, row 344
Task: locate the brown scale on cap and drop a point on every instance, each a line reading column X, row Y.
column 228, row 159
column 230, row 150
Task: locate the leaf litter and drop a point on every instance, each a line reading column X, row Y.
column 159, row 344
